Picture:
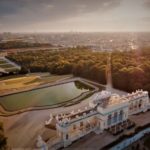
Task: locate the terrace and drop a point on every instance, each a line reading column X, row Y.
column 64, row 119
column 135, row 95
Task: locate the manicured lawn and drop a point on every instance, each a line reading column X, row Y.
column 31, row 80
column 2, row 61
column 19, row 82
column 55, row 78
column 11, row 77
column 6, row 66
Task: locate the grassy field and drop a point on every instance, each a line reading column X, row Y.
column 16, row 82
column 6, row 66
column 2, row 61
column 55, row 78
column 28, row 81
column 11, row 77
column 13, row 69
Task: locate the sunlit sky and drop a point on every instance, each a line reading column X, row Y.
column 74, row 15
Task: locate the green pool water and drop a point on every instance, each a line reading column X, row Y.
column 44, row 97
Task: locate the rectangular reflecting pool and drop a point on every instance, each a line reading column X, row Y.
column 47, row 96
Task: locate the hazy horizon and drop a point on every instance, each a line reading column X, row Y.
column 42, row 16
column 71, row 32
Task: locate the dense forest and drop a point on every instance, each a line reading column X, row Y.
column 20, row 44
column 77, row 61
column 130, row 69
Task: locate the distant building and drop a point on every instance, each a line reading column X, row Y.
column 104, row 111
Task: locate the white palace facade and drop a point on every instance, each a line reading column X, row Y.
column 104, row 111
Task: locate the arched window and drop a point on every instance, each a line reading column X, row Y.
column 137, row 104
column 121, row 115
column 81, row 124
column 109, row 120
column 74, row 126
column 140, row 103
column 67, row 136
column 131, row 106
column 115, row 117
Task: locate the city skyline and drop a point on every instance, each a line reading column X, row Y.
column 74, row 15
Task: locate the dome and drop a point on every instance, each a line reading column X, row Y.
column 102, row 95
column 99, row 96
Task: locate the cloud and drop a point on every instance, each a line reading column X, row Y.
column 146, row 3
column 146, row 19
column 24, row 15
column 52, row 10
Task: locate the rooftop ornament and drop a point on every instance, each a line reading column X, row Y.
column 73, row 112
column 41, row 144
column 99, row 97
column 77, row 116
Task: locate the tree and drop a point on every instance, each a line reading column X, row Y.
column 3, row 139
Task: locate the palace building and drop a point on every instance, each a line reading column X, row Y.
column 104, row 111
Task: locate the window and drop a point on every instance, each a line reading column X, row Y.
column 74, row 126
column 67, row 136
column 109, row 120
column 115, row 117
column 121, row 115
column 140, row 103
column 131, row 106
column 81, row 124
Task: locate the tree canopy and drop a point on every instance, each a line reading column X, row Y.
column 130, row 69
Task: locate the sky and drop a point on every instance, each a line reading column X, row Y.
column 74, row 15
